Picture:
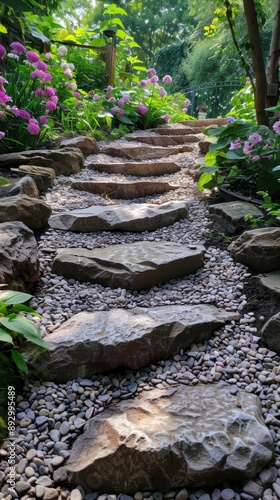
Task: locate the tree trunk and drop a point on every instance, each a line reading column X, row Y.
column 273, row 60
column 258, row 62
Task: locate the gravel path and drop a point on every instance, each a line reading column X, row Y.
column 51, row 416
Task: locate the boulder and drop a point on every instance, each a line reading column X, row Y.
column 25, row 185
column 32, row 212
column 87, row 145
column 136, row 217
column 270, row 334
column 105, row 340
column 134, row 266
column 43, row 176
column 271, row 281
column 19, row 263
column 230, row 215
column 142, row 152
column 124, row 190
column 65, row 162
column 192, row 437
column 136, row 168
column 258, row 249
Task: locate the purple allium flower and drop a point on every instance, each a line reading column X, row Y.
column 115, row 110
column 43, row 119
column 230, row 119
column 166, row 117
column 255, row 138
column 77, row 94
column 154, row 79
column 18, row 48
column 185, row 110
column 42, row 66
column 68, row 73
column 47, row 77
column 112, row 99
column 50, row 105
column 236, row 144
column 96, row 97
column 122, row 112
column 23, row 114
column 255, row 158
column 126, row 99
column 54, row 99
column 109, row 88
column 142, row 109
column 48, row 55
column 33, row 127
column 32, row 57
column 64, row 66
column 143, row 83
column 37, row 74
column 50, row 91
column 162, row 92
column 121, row 102
column 4, row 98
column 167, row 79
column 276, row 127
column 187, row 102
column 2, row 135
column 151, row 72
column 2, row 52
column 39, row 92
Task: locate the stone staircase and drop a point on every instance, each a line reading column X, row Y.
column 176, row 436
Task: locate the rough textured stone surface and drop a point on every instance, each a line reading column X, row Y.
column 25, row 185
column 19, row 263
column 271, row 280
column 162, row 140
column 87, row 145
column 177, row 437
column 135, row 266
column 140, row 152
column 231, row 215
column 135, row 217
column 174, row 129
column 32, row 212
column 43, row 175
column 105, row 340
column 258, row 249
column 64, row 162
column 124, row 190
column 271, row 333
column 136, row 168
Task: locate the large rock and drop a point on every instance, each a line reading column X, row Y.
column 124, row 190
column 87, row 145
column 271, row 281
column 32, row 212
column 231, row 215
column 193, row 437
column 136, row 168
column 270, row 333
column 64, row 162
column 19, row 263
column 135, row 217
column 25, row 185
column 43, row 176
column 141, row 152
column 134, row 266
column 105, row 340
column 258, row 249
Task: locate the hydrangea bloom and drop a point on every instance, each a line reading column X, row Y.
column 32, row 57
column 142, row 109
column 64, row 66
column 17, row 48
column 167, row 79
column 62, row 51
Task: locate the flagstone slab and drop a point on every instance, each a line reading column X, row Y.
column 162, row 140
column 142, row 152
column 136, row 168
column 178, row 437
column 126, row 190
column 175, row 129
column 134, row 266
column 95, row 342
column 136, row 217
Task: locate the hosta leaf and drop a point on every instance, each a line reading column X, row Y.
column 29, row 330
column 13, row 297
column 19, row 361
column 5, row 337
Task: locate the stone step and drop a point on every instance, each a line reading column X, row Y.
column 141, row 152
column 174, row 129
column 124, row 190
column 196, row 436
column 204, row 123
column 141, row 169
column 136, row 217
column 135, row 266
column 162, row 140
column 97, row 342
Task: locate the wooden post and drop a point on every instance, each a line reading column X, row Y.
column 111, row 61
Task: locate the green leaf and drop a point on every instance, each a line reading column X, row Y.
column 3, row 29
column 3, row 181
column 17, row 4
column 29, row 330
column 235, row 154
column 205, row 181
column 275, row 169
column 12, row 297
column 19, row 361
column 22, row 307
column 5, row 337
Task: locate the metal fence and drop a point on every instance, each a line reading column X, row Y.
column 217, row 97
